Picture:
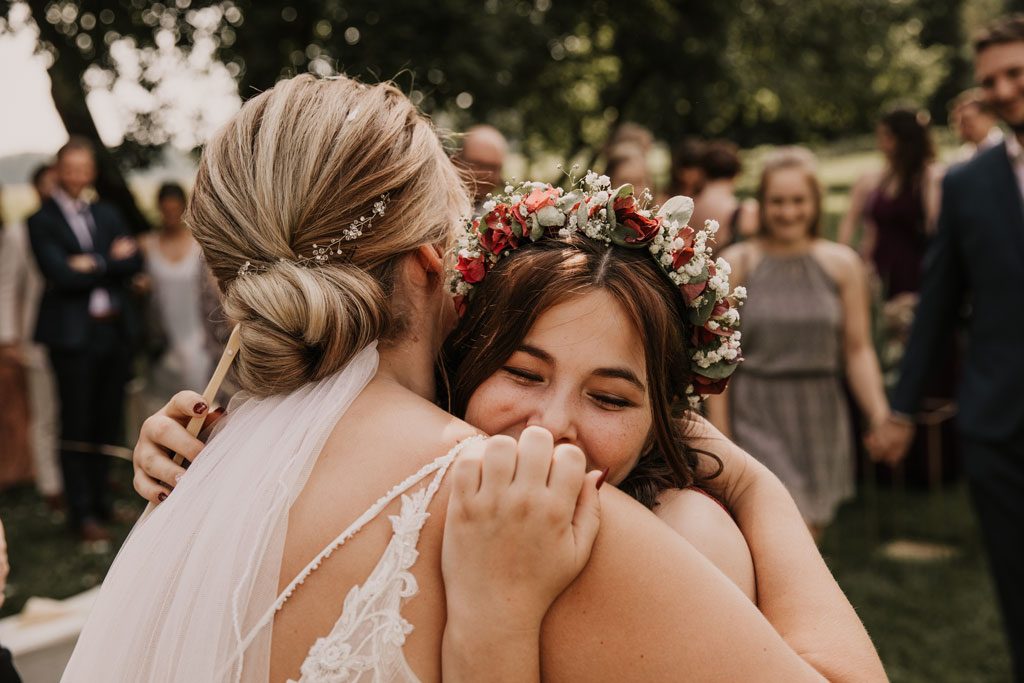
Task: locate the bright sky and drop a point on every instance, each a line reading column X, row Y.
column 28, row 121
column 199, row 95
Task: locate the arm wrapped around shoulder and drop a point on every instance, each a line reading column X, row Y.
column 300, row 324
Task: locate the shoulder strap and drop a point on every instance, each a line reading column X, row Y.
column 439, row 465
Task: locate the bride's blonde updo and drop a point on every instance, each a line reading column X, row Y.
column 295, row 167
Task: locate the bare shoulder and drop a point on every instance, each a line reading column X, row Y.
column 648, row 605
column 742, row 257
column 869, row 180
column 840, row 261
column 702, row 521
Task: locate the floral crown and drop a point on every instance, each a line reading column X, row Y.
column 530, row 211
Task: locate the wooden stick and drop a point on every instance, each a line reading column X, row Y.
column 195, row 425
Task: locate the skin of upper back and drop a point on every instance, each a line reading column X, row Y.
column 386, row 435
column 647, row 606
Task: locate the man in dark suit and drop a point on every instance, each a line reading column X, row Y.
column 978, row 252
column 87, row 322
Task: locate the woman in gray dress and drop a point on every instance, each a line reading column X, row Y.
column 805, row 324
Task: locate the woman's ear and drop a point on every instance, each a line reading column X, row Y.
column 430, row 262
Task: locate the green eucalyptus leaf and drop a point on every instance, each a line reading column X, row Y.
column 483, row 227
column 567, row 201
column 719, row 370
column 698, row 316
column 623, row 191
column 538, row 230
column 676, row 211
column 620, row 232
column 517, row 228
column 582, row 218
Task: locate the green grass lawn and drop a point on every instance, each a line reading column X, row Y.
column 46, row 557
column 932, row 622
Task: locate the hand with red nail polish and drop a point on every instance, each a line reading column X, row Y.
column 522, row 519
column 163, row 434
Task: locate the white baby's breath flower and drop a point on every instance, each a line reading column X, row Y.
column 666, row 259
column 601, row 197
column 489, row 206
column 740, row 293
column 509, row 189
column 604, row 181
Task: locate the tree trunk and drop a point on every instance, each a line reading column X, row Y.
column 69, row 99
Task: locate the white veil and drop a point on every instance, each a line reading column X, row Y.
column 188, row 590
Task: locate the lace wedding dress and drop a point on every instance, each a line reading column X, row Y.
column 192, row 594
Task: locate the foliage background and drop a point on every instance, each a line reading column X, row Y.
column 555, row 75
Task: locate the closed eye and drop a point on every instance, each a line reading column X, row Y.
column 521, row 374
column 612, row 402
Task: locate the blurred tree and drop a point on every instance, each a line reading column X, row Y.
column 823, row 69
column 556, row 74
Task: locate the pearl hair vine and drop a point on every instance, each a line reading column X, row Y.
column 322, row 253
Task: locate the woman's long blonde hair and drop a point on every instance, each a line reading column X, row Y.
column 293, row 169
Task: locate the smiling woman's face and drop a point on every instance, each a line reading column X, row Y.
column 580, row 373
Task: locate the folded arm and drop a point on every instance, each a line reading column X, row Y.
column 54, row 260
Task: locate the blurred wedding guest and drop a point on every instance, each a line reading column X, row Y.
column 88, row 323
column 15, row 458
column 627, row 164
column 21, row 287
column 686, row 174
column 897, row 204
column 805, row 325
column 978, row 256
column 717, row 199
column 631, row 133
column 975, row 124
column 481, row 160
column 174, row 263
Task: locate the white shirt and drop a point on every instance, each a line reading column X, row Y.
column 79, row 217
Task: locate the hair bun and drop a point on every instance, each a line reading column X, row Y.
column 302, row 324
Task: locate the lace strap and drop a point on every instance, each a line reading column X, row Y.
column 439, row 465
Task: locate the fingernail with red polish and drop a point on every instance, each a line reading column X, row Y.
column 162, row 497
column 600, row 480
column 199, row 408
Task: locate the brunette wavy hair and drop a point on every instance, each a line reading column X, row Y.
column 914, row 147
column 518, row 289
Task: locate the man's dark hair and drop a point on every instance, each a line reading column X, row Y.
column 169, row 191
column 74, row 143
column 1008, row 29
column 38, row 173
column 721, row 159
